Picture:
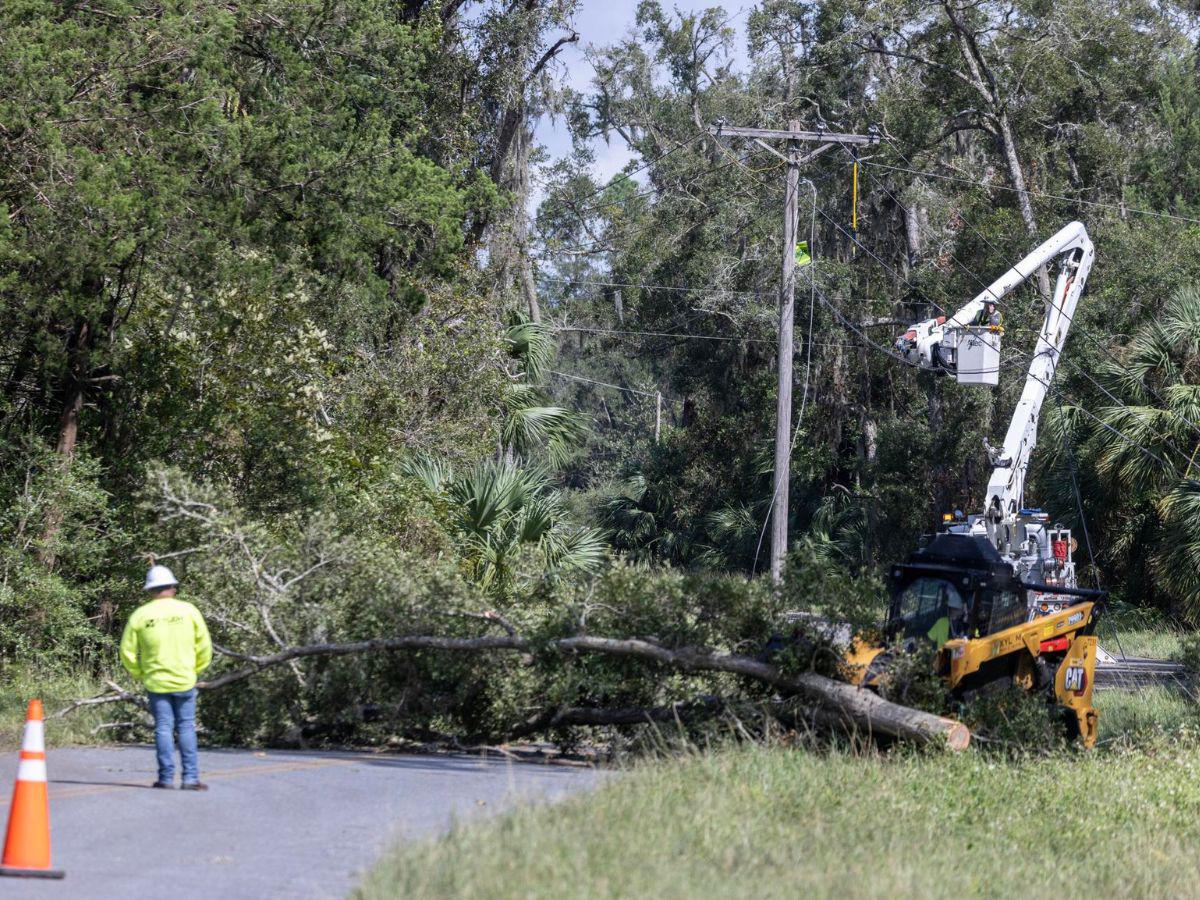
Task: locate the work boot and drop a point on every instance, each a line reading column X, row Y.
column 162, row 785
column 194, row 786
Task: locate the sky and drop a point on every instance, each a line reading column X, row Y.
column 603, row 22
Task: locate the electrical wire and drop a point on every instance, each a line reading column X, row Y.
column 1073, row 469
column 1048, row 385
column 634, row 285
column 1070, row 320
column 645, row 165
column 615, row 387
column 652, row 189
column 595, row 246
column 862, row 336
column 894, row 355
column 1158, row 214
column 684, row 335
column 1080, row 330
column 601, row 246
column 658, row 287
column 666, row 334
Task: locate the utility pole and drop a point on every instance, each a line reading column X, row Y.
column 796, row 138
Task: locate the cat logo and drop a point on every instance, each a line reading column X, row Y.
column 1074, row 679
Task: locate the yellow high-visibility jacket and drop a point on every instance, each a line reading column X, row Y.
column 940, row 632
column 166, row 645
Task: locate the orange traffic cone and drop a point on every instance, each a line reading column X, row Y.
column 27, row 846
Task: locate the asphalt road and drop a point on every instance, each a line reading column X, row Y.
column 275, row 824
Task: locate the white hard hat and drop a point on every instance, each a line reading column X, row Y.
column 160, row 577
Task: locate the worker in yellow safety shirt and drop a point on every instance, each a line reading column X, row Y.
column 166, row 646
column 952, row 623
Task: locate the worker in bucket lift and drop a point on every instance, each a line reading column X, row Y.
column 989, row 316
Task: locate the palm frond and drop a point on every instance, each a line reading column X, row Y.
column 576, row 550
column 434, row 473
column 559, row 431
column 532, row 345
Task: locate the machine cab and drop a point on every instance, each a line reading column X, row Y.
column 956, row 587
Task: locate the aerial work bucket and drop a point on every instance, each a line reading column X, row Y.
column 977, row 356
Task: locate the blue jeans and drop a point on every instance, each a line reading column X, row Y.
column 175, row 713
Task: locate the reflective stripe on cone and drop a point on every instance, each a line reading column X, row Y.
column 27, row 842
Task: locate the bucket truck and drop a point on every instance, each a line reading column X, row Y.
column 996, row 593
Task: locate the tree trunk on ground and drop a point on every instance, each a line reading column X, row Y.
column 856, row 708
column 866, row 710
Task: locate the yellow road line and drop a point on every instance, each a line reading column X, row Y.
column 240, row 771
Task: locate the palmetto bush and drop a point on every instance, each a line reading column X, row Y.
column 511, row 522
column 1137, row 453
column 531, row 423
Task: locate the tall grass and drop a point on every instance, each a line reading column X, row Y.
column 19, row 686
column 1156, row 643
column 774, row 822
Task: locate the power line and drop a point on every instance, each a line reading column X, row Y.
column 600, row 246
column 656, row 287
column 592, row 248
column 1082, row 329
column 887, row 351
column 676, row 334
column 1042, row 194
column 1073, row 469
column 667, row 334
column 972, row 274
column 636, row 285
column 647, row 164
column 1050, row 387
column 597, row 246
column 894, row 355
column 654, row 189
column 1070, row 319
column 615, row 387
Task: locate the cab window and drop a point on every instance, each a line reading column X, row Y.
column 1008, row 609
column 924, row 602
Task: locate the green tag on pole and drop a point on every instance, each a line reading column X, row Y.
column 802, row 257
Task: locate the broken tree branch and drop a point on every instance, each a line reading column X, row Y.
column 114, row 694
column 866, row 710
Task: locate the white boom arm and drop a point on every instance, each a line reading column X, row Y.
column 1072, row 246
column 921, row 346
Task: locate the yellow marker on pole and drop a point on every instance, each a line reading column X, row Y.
column 854, row 198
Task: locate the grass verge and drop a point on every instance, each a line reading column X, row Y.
column 1147, row 716
column 774, row 822
column 18, row 687
column 1155, row 643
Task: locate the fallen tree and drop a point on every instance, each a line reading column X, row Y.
column 456, row 667
column 860, row 709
